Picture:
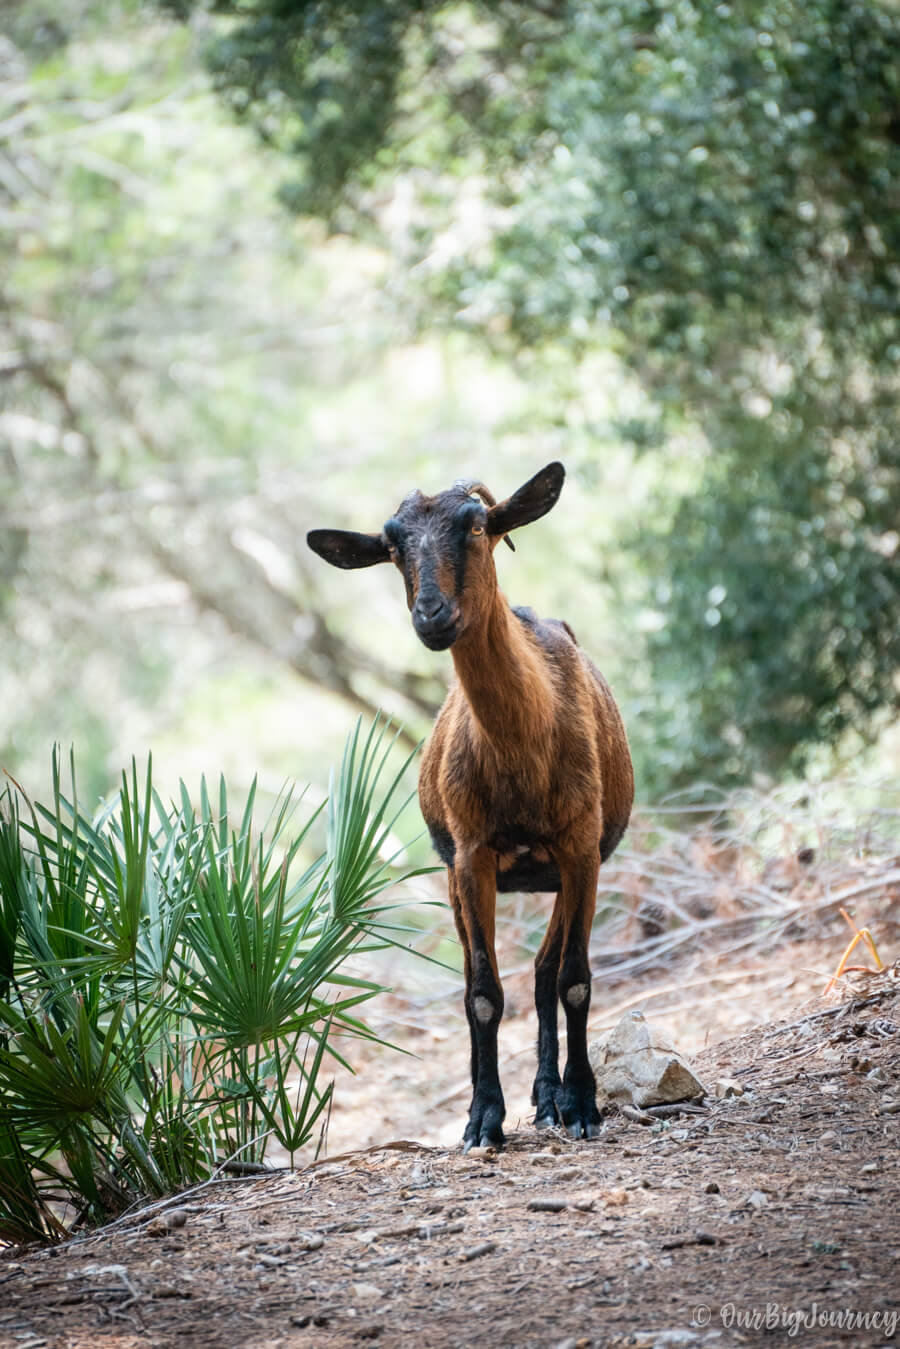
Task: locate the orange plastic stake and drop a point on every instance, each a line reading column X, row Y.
column 859, row 934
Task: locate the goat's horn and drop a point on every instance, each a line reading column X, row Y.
column 470, row 486
column 478, row 489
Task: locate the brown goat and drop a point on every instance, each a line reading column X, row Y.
column 526, row 782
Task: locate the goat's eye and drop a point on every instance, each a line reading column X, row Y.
column 478, row 529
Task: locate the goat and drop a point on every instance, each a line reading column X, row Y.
column 526, row 782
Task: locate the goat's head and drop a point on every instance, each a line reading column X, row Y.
column 444, row 547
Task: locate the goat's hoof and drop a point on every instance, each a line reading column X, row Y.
column 577, row 1110
column 485, row 1125
column 485, row 1147
column 587, row 1129
column 485, row 1128
column 543, row 1098
column 488, row 1139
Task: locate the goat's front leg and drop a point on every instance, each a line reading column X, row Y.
column 546, row 977
column 463, row 934
column 576, row 1099
column 475, row 888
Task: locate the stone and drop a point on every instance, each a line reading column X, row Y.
column 616, row 1197
column 366, row 1292
column 550, row 1204
column 636, row 1064
column 728, row 1086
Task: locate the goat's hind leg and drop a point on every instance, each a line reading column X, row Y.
column 576, row 1100
column 546, row 974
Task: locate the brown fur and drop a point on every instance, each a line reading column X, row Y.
column 525, row 743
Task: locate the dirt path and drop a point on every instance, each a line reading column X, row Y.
column 781, row 1203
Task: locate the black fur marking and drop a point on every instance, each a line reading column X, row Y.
column 487, row 1111
column 448, row 521
column 529, row 877
column 510, row 836
column 393, row 532
column 462, row 524
column 442, row 842
column 547, row 1082
column 613, row 833
column 346, row 549
column 561, row 622
column 576, row 1105
column 534, row 499
column 548, row 631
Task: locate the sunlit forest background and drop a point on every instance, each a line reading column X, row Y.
column 268, row 266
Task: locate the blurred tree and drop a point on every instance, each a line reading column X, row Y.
column 715, row 190
column 157, row 330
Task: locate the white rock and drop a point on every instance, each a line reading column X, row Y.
column 366, row 1292
column 637, row 1064
column 728, row 1086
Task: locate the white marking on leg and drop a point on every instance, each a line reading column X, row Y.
column 484, row 1009
column 576, row 995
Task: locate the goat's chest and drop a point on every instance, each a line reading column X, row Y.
column 505, row 804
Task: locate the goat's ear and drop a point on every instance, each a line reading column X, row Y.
column 530, row 502
column 343, row 548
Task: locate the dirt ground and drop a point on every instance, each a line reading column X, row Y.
column 769, row 1215
column 765, row 1217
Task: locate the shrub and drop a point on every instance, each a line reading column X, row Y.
column 170, row 985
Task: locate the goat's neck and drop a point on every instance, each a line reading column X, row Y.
column 506, row 682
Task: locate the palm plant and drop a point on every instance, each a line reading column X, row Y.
column 171, row 983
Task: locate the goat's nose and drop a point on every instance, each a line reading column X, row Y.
column 430, row 606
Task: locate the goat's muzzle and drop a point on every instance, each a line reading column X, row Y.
column 436, row 621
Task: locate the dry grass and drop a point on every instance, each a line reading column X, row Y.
column 741, row 872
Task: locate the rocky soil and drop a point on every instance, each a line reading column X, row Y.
column 763, row 1217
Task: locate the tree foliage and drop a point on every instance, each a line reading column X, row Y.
column 161, row 325
column 715, row 191
column 699, row 198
